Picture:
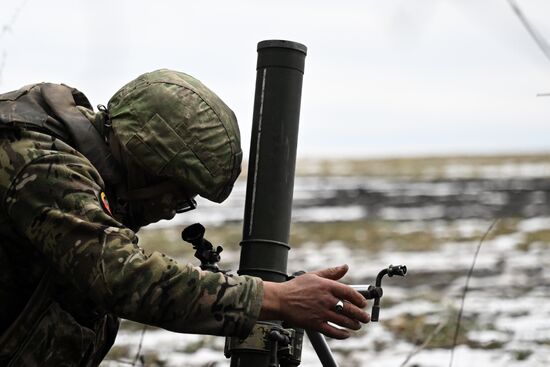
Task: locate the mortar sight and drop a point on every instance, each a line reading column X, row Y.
column 193, row 234
column 205, row 252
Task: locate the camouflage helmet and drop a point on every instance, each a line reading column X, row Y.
column 175, row 127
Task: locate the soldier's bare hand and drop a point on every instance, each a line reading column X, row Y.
column 309, row 301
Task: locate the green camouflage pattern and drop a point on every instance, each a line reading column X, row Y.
column 175, row 127
column 51, row 218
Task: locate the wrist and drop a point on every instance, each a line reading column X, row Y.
column 271, row 303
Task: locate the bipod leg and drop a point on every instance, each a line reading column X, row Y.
column 322, row 349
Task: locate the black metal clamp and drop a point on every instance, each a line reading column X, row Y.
column 283, row 345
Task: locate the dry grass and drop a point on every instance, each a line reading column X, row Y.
column 540, row 238
column 417, row 328
column 412, row 167
column 371, row 235
column 168, row 240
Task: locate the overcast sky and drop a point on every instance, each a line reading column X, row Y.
column 383, row 78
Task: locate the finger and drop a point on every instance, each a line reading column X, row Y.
column 333, row 332
column 349, row 294
column 344, row 321
column 354, row 313
column 333, row 273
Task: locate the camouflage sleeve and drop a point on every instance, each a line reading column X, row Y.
column 54, row 203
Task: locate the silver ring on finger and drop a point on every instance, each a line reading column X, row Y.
column 339, row 306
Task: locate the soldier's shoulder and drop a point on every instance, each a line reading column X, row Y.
column 19, row 149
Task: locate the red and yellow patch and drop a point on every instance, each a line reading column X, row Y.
column 105, row 203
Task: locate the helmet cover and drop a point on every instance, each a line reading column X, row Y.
column 173, row 126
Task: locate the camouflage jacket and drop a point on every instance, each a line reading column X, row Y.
column 68, row 269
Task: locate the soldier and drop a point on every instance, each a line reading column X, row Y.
column 75, row 187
